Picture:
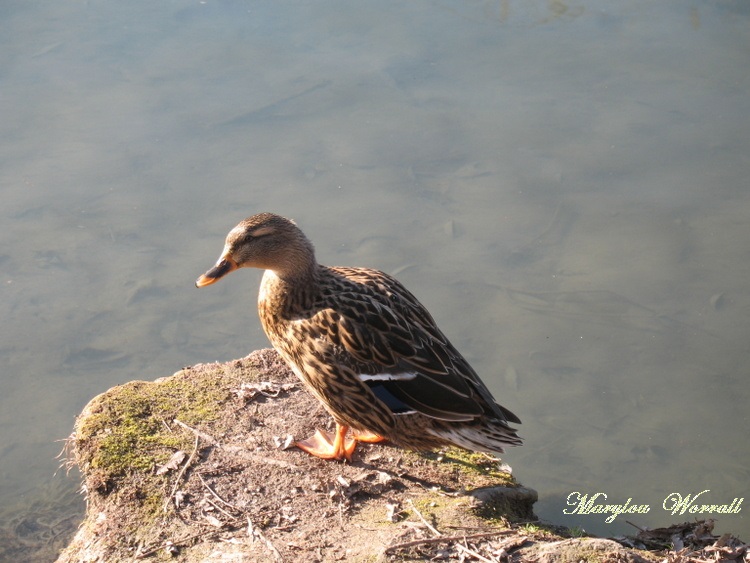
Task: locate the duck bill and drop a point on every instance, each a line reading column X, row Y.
column 221, row 269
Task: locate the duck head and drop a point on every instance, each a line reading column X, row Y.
column 266, row 241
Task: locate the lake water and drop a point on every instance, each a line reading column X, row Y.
column 563, row 184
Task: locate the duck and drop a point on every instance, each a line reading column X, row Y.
column 365, row 347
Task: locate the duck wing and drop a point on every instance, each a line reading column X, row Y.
column 399, row 352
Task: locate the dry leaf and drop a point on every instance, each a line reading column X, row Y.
column 174, row 463
column 213, row 520
column 249, row 391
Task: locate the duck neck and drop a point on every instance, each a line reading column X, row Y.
column 286, row 295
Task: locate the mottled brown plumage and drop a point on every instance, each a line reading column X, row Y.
column 364, row 346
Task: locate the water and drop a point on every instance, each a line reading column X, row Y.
column 564, row 185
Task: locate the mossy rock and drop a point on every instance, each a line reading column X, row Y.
column 236, row 494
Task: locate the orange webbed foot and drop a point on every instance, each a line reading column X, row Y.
column 326, row 446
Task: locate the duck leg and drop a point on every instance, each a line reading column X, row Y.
column 323, row 445
column 368, row 437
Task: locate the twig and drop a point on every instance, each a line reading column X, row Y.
column 483, row 535
column 208, row 438
column 210, row 490
column 513, row 543
column 447, row 539
column 636, row 526
column 220, row 509
column 435, row 532
column 473, row 553
column 422, row 518
column 164, row 423
column 149, row 552
column 472, row 528
column 423, row 541
column 252, row 531
column 178, row 479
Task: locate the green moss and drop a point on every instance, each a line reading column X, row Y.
column 129, row 428
column 478, row 464
column 577, row 532
column 442, row 510
column 124, row 434
column 531, row 528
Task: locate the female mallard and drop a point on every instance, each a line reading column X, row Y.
column 364, row 346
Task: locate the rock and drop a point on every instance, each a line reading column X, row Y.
column 235, row 493
column 584, row 549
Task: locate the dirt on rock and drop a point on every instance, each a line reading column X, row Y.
column 201, row 466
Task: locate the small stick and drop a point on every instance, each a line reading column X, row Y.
column 442, row 539
column 179, row 542
column 178, row 479
column 256, row 532
column 210, row 490
column 513, row 543
column 220, row 509
column 422, row 518
column 473, row 553
column 636, row 526
column 164, row 422
column 210, row 439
